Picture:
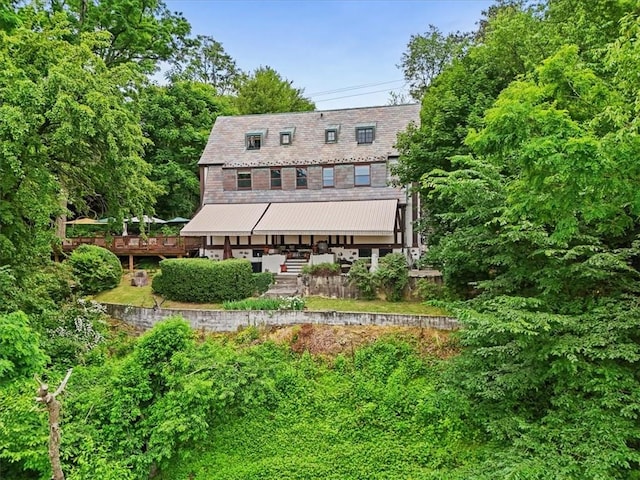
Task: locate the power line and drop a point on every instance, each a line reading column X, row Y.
column 354, row 95
column 355, row 87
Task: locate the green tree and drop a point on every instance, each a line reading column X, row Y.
column 20, row 355
column 427, row 55
column 67, row 131
column 143, row 32
column 207, row 62
column 265, row 91
column 178, row 118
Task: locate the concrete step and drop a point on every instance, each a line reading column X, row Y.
column 286, row 285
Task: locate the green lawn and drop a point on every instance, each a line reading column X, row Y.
column 143, row 297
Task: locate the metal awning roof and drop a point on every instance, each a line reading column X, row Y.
column 370, row 217
column 224, row 219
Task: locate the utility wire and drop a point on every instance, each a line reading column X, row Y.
column 354, row 95
column 355, row 87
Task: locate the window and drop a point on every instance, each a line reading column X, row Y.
column 244, row 180
column 254, row 141
column 327, row 177
column 364, row 253
column 365, row 134
column 276, row 179
column 285, row 138
column 301, row 178
column 331, row 135
column 362, row 175
column 286, row 135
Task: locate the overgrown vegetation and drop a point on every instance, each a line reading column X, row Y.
column 526, row 161
column 391, row 278
column 170, row 396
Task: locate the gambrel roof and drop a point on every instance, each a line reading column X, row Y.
column 227, row 142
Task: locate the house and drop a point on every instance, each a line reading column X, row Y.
column 292, row 188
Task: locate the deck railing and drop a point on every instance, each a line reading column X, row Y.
column 138, row 245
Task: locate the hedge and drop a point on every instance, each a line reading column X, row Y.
column 204, row 281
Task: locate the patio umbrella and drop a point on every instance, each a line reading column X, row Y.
column 145, row 219
column 178, row 220
column 83, row 221
column 227, row 252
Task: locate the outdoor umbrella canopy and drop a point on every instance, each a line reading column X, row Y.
column 179, row 220
column 145, row 219
column 83, row 221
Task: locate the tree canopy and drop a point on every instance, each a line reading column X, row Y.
column 527, row 164
column 265, row 91
column 66, row 131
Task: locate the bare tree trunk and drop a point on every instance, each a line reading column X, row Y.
column 53, row 407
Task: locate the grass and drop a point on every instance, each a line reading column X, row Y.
column 125, row 294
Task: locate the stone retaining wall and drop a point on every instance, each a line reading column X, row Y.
column 232, row 320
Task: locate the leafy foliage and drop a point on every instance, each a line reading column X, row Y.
column 392, row 276
column 322, row 269
column 362, row 278
column 67, row 131
column 427, row 55
column 203, row 280
column 262, row 281
column 96, row 268
column 177, row 118
column 20, row 355
column 205, row 61
column 265, row 91
column 280, row 303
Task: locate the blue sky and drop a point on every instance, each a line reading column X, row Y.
column 327, row 45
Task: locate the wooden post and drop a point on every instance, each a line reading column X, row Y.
column 53, row 406
column 130, row 263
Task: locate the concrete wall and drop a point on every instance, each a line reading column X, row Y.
column 231, row 321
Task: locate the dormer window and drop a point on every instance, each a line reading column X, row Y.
column 365, row 133
column 331, row 134
column 254, row 140
column 286, row 136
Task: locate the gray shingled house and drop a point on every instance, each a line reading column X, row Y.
column 292, row 188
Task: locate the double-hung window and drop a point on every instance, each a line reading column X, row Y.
column 244, row 180
column 328, row 177
column 301, row 177
column 362, row 175
column 276, row 179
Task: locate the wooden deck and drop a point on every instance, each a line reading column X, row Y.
column 133, row 245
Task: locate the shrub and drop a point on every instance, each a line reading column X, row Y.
column 95, row 268
column 392, row 275
column 322, row 269
column 202, row 280
column 326, row 269
column 280, row 303
column 262, row 281
column 364, row 281
column 75, row 332
column 429, row 290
